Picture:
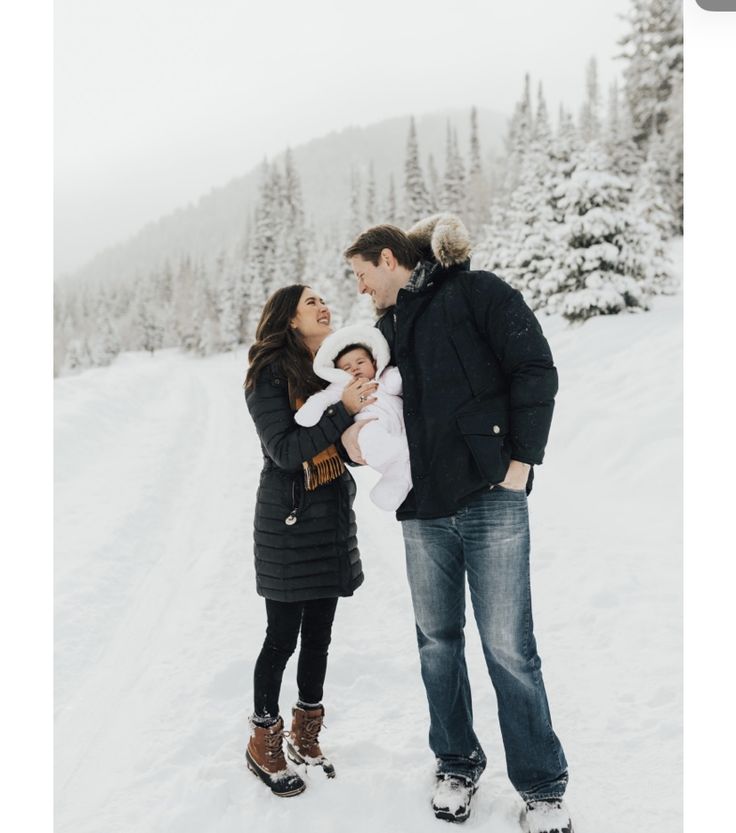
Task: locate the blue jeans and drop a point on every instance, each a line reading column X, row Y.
column 488, row 539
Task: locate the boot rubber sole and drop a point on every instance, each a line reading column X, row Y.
column 296, row 758
column 266, row 778
column 445, row 815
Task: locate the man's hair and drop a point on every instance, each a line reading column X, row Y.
column 373, row 241
column 353, row 347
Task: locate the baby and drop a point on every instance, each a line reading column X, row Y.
column 361, row 351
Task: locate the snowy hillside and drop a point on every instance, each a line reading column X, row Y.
column 158, row 624
column 217, row 220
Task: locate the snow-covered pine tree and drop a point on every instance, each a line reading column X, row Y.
column 77, row 354
column 517, row 141
column 292, row 230
column 355, row 221
column 370, row 197
column 278, row 275
column 478, row 197
column 528, row 246
column 146, row 316
column 225, row 293
column 672, row 137
column 618, row 140
column 390, row 212
column 59, row 334
column 652, row 223
column 165, row 292
column 205, row 312
column 435, row 186
column 186, row 325
column 263, row 256
column 594, row 274
column 416, row 196
column 453, row 196
column 653, row 51
column 564, row 153
column 590, row 121
column 103, row 341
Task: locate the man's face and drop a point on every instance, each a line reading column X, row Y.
column 358, row 363
column 376, row 281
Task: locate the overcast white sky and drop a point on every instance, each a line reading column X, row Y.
column 158, row 101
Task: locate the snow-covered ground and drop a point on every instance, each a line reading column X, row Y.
column 158, row 624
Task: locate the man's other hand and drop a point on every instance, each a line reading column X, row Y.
column 516, row 476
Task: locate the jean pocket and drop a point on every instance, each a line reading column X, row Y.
column 500, row 488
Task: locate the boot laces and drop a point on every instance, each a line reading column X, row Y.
column 273, row 741
column 310, row 731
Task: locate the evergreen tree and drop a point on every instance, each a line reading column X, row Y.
column 478, row 196
column 355, row 217
column 390, row 214
column 435, row 188
column 453, row 184
column 417, row 202
column 77, row 355
column 594, row 274
column 517, row 141
column 226, row 305
column 590, row 123
column 186, row 324
column 652, row 224
column 208, row 339
column 524, row 244
column 370, row 197
column 104, row 343
column 654, row 60
column 291, row 221
column 147, row 320
column 618, row 141
column 564, row 153
column 263, row 260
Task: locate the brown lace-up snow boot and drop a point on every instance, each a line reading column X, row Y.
column 302, row 742
column 265, row 758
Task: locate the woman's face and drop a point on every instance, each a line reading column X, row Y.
column 312, row 319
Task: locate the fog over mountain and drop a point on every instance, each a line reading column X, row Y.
column 217, row 220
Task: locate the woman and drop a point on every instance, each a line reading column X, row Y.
column 306, row 549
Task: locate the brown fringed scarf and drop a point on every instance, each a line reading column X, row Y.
column 323, row 467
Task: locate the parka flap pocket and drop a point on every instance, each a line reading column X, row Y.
column 483, row 424
column 484, row 436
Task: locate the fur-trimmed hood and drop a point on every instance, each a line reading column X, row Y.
column 442, row 238
column 362, row 334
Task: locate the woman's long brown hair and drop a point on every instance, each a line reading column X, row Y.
column 276, row 341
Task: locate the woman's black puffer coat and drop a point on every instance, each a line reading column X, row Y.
column 317, row 556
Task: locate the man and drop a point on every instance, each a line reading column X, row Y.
column 478, row 387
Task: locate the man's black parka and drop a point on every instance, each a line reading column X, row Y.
column 478, row 377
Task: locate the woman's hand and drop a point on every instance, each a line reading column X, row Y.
column 358, row 394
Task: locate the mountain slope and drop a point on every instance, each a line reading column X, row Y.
column 218, row 219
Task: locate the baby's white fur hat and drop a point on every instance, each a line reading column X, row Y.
column 362, row 334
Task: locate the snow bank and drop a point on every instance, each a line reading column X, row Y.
column 158, row 624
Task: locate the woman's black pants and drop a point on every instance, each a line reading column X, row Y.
column 285, row 620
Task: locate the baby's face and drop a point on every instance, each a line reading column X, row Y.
column 358, row 363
